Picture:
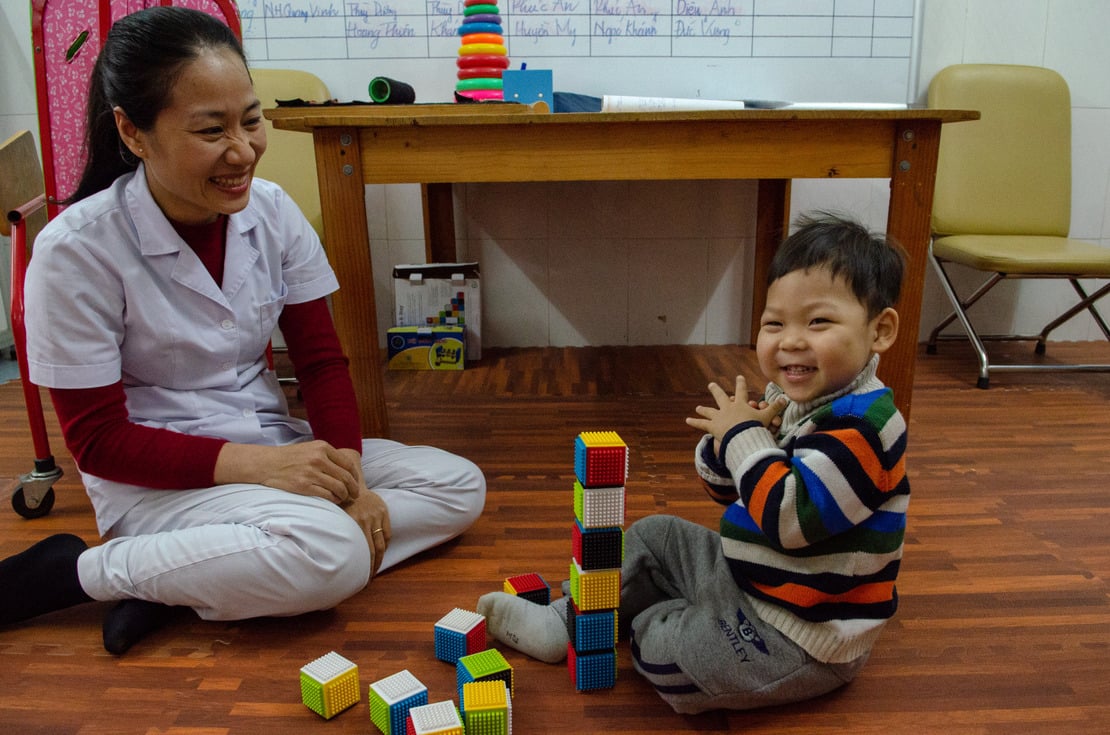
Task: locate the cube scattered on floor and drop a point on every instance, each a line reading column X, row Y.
column 391, row 699
column 438, row 718
column 329, row 685
column 597, row 548
column 591, row 631
column 600, row 459
column 595, row 590
column 597, row 507
column 459, row 633
column 487, row 708
column 531, row 587
column 488, row 665
column 590, row 671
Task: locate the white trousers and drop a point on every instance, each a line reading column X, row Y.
column 239, row 551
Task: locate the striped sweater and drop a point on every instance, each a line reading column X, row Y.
column 815, row 522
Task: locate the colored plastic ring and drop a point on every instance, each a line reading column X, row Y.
column 473, row 60
column 480, row 71
column 470, row 49
column 474, row 20
column 483, row 38
column 468, row 3
column 464, row 85
column 467, row 28
column 480, row 8
column 481, row 95
column 494, row 18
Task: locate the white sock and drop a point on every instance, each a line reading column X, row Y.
column 539, row 631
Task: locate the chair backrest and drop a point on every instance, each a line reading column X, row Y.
column 1009, row 172
column 67, row 36
column 290, row 159
column 20, row 181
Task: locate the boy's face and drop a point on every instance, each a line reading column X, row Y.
column 815, row 335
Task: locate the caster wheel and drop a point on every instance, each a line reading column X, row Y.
column 19, row 504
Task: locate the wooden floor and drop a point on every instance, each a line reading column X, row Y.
column 1004, row 624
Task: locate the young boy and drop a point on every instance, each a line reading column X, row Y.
column 784, row 603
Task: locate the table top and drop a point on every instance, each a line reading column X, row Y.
column 305, row 118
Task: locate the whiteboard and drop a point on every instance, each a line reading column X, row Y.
column 790, row 50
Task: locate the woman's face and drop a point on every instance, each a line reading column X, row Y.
column 201, row 152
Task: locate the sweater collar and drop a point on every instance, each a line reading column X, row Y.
column 866, row 380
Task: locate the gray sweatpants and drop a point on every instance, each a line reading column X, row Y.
column 694, row 634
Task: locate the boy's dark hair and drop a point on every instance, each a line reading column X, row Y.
column 871, row 264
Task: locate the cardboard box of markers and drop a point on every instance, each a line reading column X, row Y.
column 436, row 316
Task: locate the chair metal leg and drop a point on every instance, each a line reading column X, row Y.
column 959, row 312
column 1086, row 302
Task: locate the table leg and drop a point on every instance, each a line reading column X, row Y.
column 772, row 221
column 439, row 223
column 908, row 223
column 347, row 241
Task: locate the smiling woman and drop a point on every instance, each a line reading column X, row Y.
column 150, row 303
column 200, row 154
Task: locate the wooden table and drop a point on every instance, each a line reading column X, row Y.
column 436, row 145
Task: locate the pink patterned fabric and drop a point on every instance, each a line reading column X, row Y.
column 65, row 83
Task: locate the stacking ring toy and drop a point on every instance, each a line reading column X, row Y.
column 472, row 38
column 480, row 27
column 471, row 49
column 483, row 18
column 481, row 83
column 482, row 60
column 480, row 8
column 480, row 71
column 480, row 95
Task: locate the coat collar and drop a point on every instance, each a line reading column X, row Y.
column 157, row 237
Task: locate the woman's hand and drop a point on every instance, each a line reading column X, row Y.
column 313, row 468
column 370, row 512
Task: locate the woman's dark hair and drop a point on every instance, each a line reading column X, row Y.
column 871, row 264
column 136, row 71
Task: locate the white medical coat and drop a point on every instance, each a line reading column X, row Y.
column 113, row 293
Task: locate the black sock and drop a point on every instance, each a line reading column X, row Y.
column 41, row 579
column 131, row 620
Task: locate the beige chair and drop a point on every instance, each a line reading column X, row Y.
column 290, row 158
column 1003, row 199
column 20, row 182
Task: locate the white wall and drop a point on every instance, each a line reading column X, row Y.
column 654, row 263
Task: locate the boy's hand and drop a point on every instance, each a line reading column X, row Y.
column 733, row 410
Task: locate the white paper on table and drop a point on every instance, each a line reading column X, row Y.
column 848, row 105
column 623, row 103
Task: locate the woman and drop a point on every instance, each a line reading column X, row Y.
column 150, row 303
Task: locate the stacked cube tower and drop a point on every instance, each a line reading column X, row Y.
column 482, row 54
column 601, row 469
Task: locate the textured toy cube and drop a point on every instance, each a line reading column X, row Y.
column 488, row 665
column 487, row 708
column 597, row 548
column 438, row 718
column 596, row 670
column 591, row 631
column 595, row 590
column 329, row 685
column 598, row 507
column 459, row 633
column 600, row 459
column 531, row 587
column 391, row 699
